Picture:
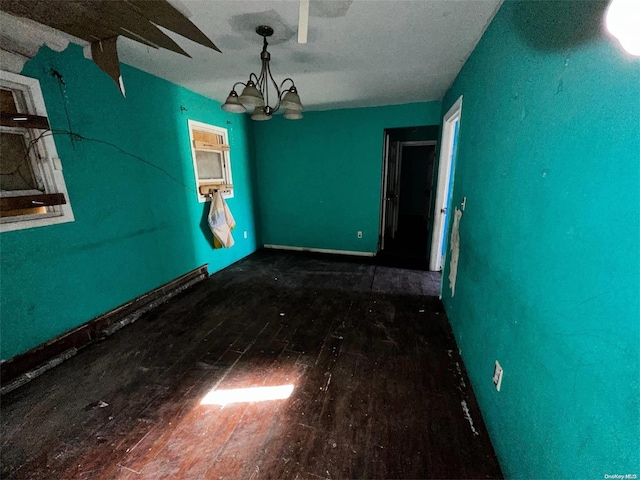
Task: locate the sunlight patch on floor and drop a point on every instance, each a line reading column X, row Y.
column 253, row 394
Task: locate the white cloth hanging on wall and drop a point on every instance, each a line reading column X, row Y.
column 221, row 222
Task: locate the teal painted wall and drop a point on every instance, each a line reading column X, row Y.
column 319, row 178
column 548, row 275
column 135, row 228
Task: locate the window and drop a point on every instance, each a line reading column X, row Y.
column 211, row 163
column 32, row 188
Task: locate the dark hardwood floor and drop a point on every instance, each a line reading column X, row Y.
column 379, row 388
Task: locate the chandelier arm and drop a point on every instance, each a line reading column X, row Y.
column 282, row 90
column 254, row 77
column 236, row 84
column 263, row 74
column 277, row 106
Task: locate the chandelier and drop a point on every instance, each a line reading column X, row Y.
column 255, row 94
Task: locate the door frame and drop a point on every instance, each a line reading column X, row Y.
column 385, row 169
column 384, row 186
column 445, row 170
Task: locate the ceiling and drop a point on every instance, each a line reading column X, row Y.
column 359, row 52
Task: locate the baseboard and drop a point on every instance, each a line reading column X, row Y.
column 24, row 367
column 321, row 250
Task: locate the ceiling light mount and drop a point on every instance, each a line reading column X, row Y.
column 264, row 30
column 255, row 94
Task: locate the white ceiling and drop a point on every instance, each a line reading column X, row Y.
column 359, row 53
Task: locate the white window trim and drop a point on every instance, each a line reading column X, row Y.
column 35, row 102
column 205, row 127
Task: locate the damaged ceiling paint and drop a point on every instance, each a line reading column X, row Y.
column 101, row 22
column 245, row 25
column 22, row 38
column 359, row 53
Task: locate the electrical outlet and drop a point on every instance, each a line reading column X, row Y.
column 497, row 376
column 359, row 234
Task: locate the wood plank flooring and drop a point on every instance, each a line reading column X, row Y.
column 380, row 391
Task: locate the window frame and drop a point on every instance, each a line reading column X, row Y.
column 39, row 176
column 224, row 152
column 49, row 167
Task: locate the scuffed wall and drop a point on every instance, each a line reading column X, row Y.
column 138, row 223
column 548, row 274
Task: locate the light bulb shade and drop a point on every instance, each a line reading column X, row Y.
column 260, row 115
column 251, row 96
column 233, row 104
column 292, row 114
column 291, row 100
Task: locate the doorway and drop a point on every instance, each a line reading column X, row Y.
column 407, row 197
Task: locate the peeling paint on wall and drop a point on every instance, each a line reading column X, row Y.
column 455, row 250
